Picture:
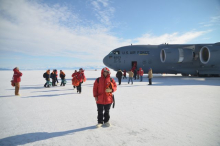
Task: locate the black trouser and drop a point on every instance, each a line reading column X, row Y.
column 135, row 77
column 62, row 82
column 119, row 81
column 150, row 81
column 79, row 87
column 53, row 82
column 106, row 116
column 46, row 85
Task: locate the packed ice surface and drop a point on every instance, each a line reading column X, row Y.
column 174, row 111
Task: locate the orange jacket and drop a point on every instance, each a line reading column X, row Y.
column 74, row 75
column 80, row 76
column 100, row 87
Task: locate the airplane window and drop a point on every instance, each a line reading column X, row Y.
column 116, row 52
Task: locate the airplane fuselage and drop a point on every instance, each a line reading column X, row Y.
column 186, row 59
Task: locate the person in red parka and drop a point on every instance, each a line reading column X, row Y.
column 17, row 79
column 124, row 73
column 74, row 76
column 141, row 73
column 103, row 88
column 80, row 77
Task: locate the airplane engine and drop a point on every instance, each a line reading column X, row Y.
column 176, row 55
column 210, row 55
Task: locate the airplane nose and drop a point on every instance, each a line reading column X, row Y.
column 105, row 60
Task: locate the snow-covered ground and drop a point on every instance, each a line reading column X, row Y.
column 174, row 111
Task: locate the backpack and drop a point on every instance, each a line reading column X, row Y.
column 113, row 97
column 44, row 75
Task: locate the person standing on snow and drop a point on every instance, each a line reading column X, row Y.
column 131, row 74
column 103, row 88
column 119, row 76
column 135, row 74
column 150, row 76
column 80, row 77
column 124, row 77
column 56, row 76
column 138, row 74
column 53, row 77
column 47, row 78
column 17, row 79
column 74, row 76
column 141, row 72
column 62, row 76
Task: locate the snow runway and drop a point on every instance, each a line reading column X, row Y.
column 175, row 111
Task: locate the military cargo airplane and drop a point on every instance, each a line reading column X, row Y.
column 187, row 59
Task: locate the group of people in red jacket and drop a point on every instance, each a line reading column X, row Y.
column 103, row 89
column 139, row 73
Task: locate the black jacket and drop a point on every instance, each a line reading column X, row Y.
column 62, row 76
column 135, row 72
column 53, row 76
column 119, row 74
column 47, row 76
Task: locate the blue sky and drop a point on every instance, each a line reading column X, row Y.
column 42, row 34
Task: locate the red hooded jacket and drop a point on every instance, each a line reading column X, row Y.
column 74, row 75
column 17, row 76
column 80, row 76
column 141, row 72
column 124, row 72
column 100, row 87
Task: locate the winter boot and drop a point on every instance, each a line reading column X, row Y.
column 107, row 124
column 98, row 125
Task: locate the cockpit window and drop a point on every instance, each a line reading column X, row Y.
column 116, row 52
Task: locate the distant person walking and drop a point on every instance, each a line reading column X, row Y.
column 124, row 73
column 74, row 78
column 53, row 77
column 81, row 78
column 119, row 76
column 131, row 74
column 62, row 76
column 17, row 79
column 103, row 88
column 138, row 74
column 150, row 76
column 141, row 72
column 56, row 73
column 47, row 78
column 135, row 74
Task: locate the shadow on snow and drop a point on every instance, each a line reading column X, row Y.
column 50, row 95
column 38, row 136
